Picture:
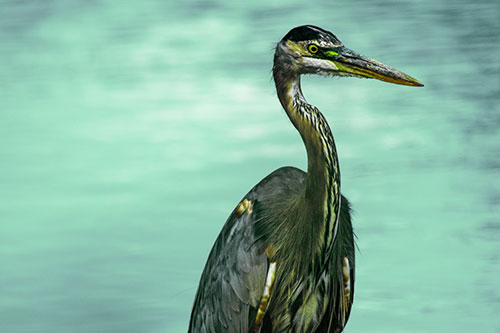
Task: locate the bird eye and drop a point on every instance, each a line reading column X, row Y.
column 312, row 48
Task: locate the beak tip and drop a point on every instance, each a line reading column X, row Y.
column 414, row 82
column 418, row 84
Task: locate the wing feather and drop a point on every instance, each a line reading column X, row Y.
column 234, row 277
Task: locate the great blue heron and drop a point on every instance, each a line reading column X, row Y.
column 284, row 260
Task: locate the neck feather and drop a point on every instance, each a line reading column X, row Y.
column 321, row 193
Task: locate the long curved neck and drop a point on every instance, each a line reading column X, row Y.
column 321, row 195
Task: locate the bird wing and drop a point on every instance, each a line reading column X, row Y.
column 233, row 280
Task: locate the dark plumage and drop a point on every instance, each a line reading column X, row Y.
column 231, row 287
column 310, row 32
column 284, row 260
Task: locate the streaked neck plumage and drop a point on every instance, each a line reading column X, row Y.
column 321, row 193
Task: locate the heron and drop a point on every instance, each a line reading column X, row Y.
column 284, row 260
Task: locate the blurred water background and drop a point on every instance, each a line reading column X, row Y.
column 130, row 130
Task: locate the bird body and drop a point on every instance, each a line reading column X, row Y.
column 242, row 239
column 285, row 260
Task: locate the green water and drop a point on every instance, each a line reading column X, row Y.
column 130, row 130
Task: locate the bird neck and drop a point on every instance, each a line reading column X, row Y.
column 321, row 194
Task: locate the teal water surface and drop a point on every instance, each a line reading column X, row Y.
column 130, row 130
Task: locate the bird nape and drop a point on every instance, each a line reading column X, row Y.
column 284, row 260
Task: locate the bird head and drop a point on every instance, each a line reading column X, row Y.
column 311, row 50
